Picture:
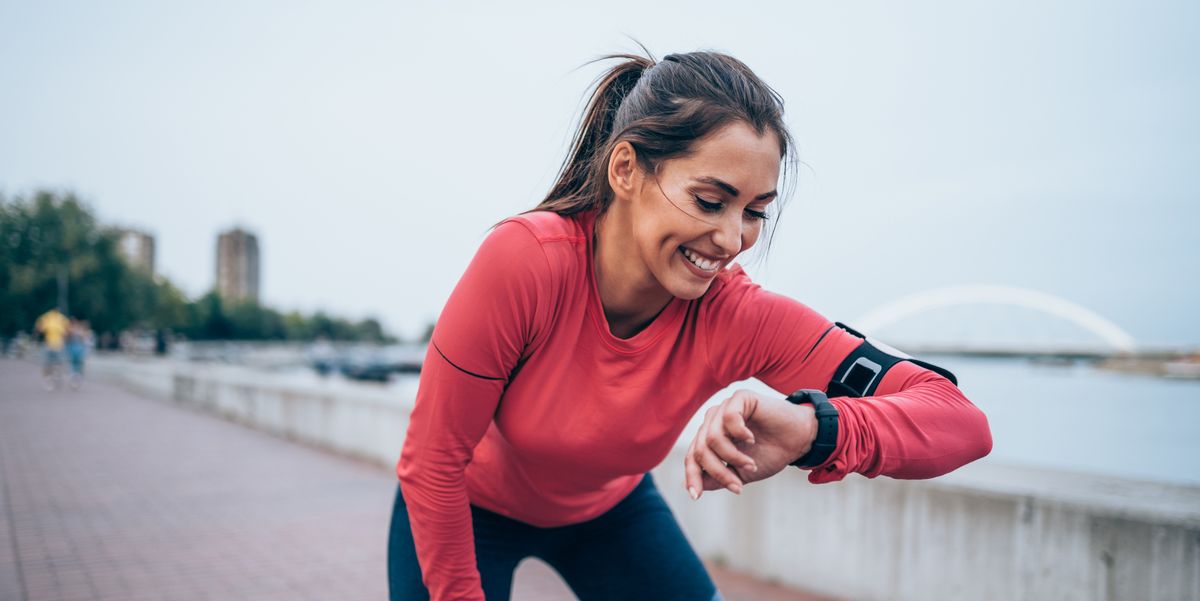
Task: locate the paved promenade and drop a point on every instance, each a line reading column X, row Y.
column 107, row 495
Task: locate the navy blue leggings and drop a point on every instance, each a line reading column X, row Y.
column 633, row 551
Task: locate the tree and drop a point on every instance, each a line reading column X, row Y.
column 53, row 235
column 170, row 306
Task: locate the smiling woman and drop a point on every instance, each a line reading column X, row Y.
column 683, row 244
column 587, row 332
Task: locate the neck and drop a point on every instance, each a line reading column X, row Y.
column 629, row 293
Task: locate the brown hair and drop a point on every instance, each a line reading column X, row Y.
column 661, row 109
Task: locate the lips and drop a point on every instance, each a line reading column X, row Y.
column 701, row 262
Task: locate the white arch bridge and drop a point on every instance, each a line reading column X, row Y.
column 1116, row 341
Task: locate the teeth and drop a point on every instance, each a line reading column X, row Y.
column 699, row 261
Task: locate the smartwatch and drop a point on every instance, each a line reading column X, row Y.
column 827, row 427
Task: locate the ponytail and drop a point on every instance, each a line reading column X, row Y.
column 662, row 109
column 577, row 189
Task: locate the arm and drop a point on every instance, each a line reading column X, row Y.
column 916, row 425
column 487, row 323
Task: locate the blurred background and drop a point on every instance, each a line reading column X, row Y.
column 277, row 199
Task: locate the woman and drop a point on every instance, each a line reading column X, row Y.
column 586, row 332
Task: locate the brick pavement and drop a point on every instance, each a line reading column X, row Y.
column 106, row 495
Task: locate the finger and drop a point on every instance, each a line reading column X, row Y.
column 707, row 482
column 717, row 470
column 734, row 418
column 718, row 441
column 692, row 476
column 712, row 464
column 734, row 413
column 693, row 473
column 710, row 483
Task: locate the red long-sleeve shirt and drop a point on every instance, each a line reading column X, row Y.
column 529, row 407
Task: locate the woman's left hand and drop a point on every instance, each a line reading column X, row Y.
column 748, row 437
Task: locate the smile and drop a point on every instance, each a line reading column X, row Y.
column 704, row 264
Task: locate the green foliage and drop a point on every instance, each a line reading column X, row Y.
column 50, row 235
column 54, row 233
column 212, row 318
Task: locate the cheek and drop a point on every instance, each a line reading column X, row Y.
column 651, row 241
column 750, row 235
column 667, row 232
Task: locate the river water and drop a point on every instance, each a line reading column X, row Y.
column 1080, row 418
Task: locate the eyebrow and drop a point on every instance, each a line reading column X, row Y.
column 712, row 181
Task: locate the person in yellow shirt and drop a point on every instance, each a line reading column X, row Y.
column 53, row 327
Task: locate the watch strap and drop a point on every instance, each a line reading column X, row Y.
column 827, row 427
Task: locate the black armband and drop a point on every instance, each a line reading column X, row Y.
column 861, row 371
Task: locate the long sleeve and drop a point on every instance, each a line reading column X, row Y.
column 489, row 321
column 917, row 424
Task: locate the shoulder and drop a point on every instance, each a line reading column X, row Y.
column 561, row 240
column 533, row 248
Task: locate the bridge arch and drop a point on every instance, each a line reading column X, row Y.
column 936, row 298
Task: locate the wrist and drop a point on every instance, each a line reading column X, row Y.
column 805, row 426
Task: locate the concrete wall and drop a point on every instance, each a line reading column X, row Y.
column 984, row 532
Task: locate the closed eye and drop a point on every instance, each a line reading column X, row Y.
column 715, row 206
column 710, row 206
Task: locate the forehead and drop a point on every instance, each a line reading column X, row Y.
column 735, row 154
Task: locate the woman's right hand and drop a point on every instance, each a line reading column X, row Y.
column 748, row 437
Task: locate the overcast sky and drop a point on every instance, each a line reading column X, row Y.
column 1050, row 146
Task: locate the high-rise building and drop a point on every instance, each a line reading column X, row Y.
column 138, row 249
column 237, row 265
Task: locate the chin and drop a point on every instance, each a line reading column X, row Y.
column 689, row 290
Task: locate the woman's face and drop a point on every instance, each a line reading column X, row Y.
column 693, row 217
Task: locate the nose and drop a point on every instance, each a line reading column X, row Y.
column 727, row 234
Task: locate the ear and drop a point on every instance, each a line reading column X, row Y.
column 623, row 172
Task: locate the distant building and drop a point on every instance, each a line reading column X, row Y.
column 138, row 249
column 237, row 265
